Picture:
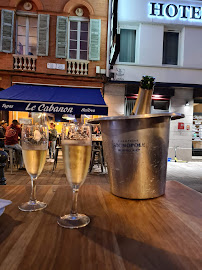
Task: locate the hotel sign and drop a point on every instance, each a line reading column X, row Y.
column 172, row 10
column 164, row 12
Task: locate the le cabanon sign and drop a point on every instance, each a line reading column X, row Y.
column 52, row 108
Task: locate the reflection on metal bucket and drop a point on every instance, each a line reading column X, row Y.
column 136, row 149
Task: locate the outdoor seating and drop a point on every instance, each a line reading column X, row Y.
column 97, row 156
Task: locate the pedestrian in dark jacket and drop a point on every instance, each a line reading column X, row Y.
column 3, row 127
column 52, row 141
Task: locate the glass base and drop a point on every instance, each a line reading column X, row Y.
column 73, row 221
column 32, row 206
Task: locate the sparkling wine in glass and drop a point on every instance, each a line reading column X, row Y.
column 76, row 150
column 34, row 150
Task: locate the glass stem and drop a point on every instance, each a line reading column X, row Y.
column 33, row 188
column 74, row 202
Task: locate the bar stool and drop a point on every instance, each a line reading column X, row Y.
column 56, row 157
column 97, row 156
column 11, row 157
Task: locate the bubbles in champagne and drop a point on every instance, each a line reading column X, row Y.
column 34, row 161
column 33, row 147
column 74, row 142
column 76, row 161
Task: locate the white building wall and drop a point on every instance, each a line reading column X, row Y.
column 114, row 96
column 192, row 47
column 149, row 54
column 150, row 44
column 169, row 74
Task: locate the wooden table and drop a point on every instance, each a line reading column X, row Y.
column 162, row 233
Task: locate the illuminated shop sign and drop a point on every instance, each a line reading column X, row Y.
column 175, row 11
column 52, row 108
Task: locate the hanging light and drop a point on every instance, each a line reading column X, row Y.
column 68, row 117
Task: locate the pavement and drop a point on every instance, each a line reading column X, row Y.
column 189, row 174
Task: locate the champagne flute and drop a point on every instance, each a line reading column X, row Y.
column 34, row 150
column 76, row 150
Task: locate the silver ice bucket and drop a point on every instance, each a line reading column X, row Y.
column 136, row 149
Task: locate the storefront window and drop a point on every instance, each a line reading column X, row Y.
column 127, row 45
column 170, row 48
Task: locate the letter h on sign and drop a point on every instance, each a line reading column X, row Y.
column 156, row 7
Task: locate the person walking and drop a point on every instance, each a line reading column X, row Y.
column 11, row 141
column 3, row 127
column 52, row 141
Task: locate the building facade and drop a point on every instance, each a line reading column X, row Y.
column 162, row 39
column 59, row 43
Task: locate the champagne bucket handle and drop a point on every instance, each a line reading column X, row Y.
column 176, row 116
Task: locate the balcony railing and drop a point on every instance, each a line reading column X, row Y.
column 77, row 67
column 24, row 62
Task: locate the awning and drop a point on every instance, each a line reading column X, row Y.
column 53, row 99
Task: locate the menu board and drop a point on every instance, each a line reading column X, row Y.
column 27, row 121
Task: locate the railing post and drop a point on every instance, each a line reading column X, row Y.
column 25, row 63
column 15, row 62
column 86, row 69
column 69, row 67
column 20, row 63
column 81, row 68
column 77, row 67
column 73, row 67
column 34, row 64
column 29, row 63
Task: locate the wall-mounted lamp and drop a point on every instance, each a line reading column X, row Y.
column 187, row 103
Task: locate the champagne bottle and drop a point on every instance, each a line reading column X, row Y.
column 143, row 102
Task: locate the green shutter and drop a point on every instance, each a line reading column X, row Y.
column 61, row 37
column 43, row 35
column 7, row 22
column 95, row 31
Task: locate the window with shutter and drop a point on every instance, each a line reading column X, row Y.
column 95, row 32
column 61, row 37
column 7, row 22
column 26, row 35
column 78, row 38
column 43, row 35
